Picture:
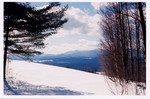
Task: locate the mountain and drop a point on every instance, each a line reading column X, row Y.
column 16, row 57
column 69, row 54
column 77, row 53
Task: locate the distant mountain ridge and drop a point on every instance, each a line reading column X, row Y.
column 69, row 54
column 77, row 53
column 81, row 60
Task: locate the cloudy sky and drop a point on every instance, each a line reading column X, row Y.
column 81, row 32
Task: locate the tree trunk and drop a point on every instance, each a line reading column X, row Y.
column 5, row 50
column 143, row 26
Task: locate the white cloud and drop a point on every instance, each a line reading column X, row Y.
column 38, row 8
column 53, row 9
column 82, row 44
column 79, row 23
column 98, row 5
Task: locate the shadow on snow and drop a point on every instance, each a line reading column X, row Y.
column 16, row 87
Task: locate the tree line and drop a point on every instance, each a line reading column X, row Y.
column 124, row 32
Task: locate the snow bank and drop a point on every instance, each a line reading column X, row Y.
column 62, row 79
column 27, row 78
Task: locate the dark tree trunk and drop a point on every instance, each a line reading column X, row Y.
column 143, row 25
column 137, row 50
column 6, row 49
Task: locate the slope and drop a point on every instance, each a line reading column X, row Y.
column 27, row 78
column 56, row 77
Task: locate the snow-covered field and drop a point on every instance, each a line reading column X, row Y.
column 27, row 78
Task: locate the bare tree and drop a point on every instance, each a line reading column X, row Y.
column 123, row 33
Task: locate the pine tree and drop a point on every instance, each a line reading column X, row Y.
column 26, row 27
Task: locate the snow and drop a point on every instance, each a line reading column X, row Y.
column 27, row 78
column 42, row 60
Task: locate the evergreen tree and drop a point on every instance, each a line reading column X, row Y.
column 26, row 27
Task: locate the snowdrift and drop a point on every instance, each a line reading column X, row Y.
column 27, row 78
column 34, row 76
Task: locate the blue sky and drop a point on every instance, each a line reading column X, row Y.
column 81, row 32
column 82, row 5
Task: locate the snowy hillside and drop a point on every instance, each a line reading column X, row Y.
column 26, row 78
